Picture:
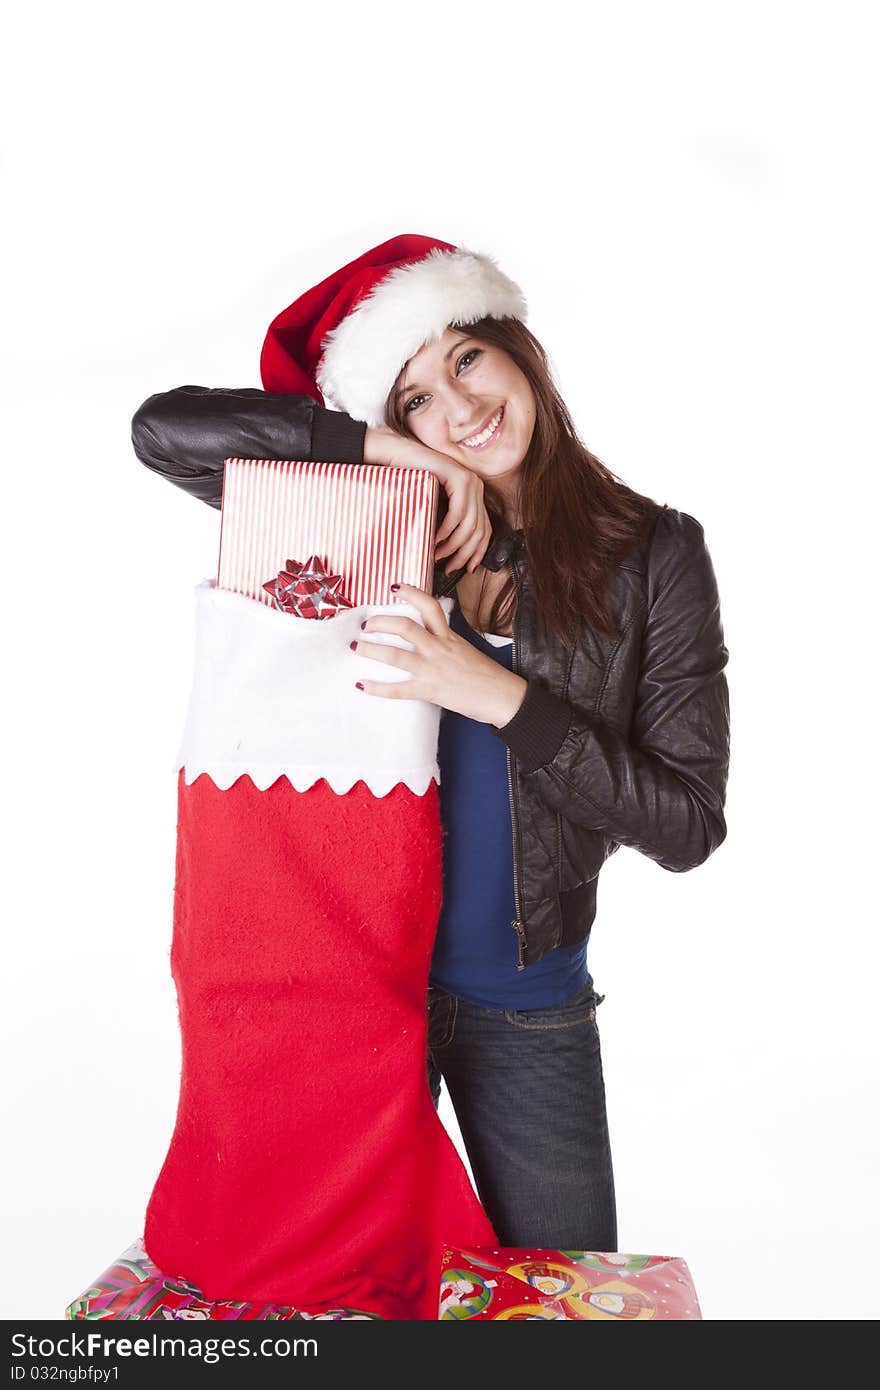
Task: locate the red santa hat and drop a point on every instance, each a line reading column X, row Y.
column 348, row 337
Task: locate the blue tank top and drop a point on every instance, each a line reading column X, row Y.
column 475, row 952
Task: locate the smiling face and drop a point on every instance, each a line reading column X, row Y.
column 469, row 400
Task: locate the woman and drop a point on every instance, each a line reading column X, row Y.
column 581, row 677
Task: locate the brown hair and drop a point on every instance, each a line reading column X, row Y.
column 579, row 519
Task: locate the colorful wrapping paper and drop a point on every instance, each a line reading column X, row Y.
column 512, row 1285
column 519, row 1285
column 372, row 525
column 133, row 1287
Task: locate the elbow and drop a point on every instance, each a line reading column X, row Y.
column 143, row 434
column 707, row 832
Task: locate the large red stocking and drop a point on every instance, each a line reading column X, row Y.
column 308, row 1165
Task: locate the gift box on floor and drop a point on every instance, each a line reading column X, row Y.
column 133, row 1287
column 373, row 526
column 520, row 1285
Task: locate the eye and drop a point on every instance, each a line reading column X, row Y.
column 411, row 403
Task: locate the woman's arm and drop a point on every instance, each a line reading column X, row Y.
column 662, row 789
column 185, row 434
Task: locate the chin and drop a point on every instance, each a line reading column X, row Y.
column 505, row 463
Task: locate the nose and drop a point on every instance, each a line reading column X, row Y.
column 462, row 408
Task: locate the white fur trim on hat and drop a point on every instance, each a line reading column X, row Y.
column 413, row 305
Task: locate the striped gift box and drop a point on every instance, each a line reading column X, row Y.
column 374, row 525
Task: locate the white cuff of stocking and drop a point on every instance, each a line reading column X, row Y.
column 274, row 695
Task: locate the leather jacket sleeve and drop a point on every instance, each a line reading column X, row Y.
column 660, row 789
column 185, row 434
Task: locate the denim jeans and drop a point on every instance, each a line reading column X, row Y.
column 529, row 1096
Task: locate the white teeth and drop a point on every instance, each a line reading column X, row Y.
column 487, row 433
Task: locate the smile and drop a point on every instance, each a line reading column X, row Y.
column 487, row 435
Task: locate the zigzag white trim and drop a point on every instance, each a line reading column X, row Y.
column 274, row 696
column 413, row 305
column 417, row 779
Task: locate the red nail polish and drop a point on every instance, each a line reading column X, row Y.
column 358, row 685
column 363, row 624
column 353, row 646
column 394, row 588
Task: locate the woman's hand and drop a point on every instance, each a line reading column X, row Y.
column 444, row 669
column 466, row 530
column 464, row 536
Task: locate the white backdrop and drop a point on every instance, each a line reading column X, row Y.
column 686, row 193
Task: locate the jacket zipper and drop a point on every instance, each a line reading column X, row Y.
column 517, row 923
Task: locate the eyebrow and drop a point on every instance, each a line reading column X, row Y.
column 455, row 346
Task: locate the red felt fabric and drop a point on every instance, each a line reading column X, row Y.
column 308, row 1165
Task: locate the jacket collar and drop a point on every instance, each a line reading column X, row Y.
column 502, row 549
column 500, row 552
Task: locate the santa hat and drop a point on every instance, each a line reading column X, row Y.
column 348, row 337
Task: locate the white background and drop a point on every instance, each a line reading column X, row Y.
column 686, row 193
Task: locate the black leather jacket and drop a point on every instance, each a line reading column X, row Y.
column 623, row 741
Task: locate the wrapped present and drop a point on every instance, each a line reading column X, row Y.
column 134, row 1287
column 519, row 1285
column 373, row 526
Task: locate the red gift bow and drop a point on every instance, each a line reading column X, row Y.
column 308, row 591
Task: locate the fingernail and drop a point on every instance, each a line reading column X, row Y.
column 358, row 685
column 363, row 624
column 353, row 646
column 394, row 588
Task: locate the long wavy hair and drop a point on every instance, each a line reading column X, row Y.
column 578, row 518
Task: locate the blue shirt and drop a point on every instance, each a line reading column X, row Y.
column 475, row 953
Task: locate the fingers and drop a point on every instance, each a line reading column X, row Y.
column 392, row 690
column 466, row 510
column 471, row 552
column 466, row 514
column 465, row 525
column 449, row 523
column 467, row 550
column 429, row 608
column 389, row 656
column 471, row 528
column 404, row 627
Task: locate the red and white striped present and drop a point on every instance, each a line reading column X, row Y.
column 372, row 524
